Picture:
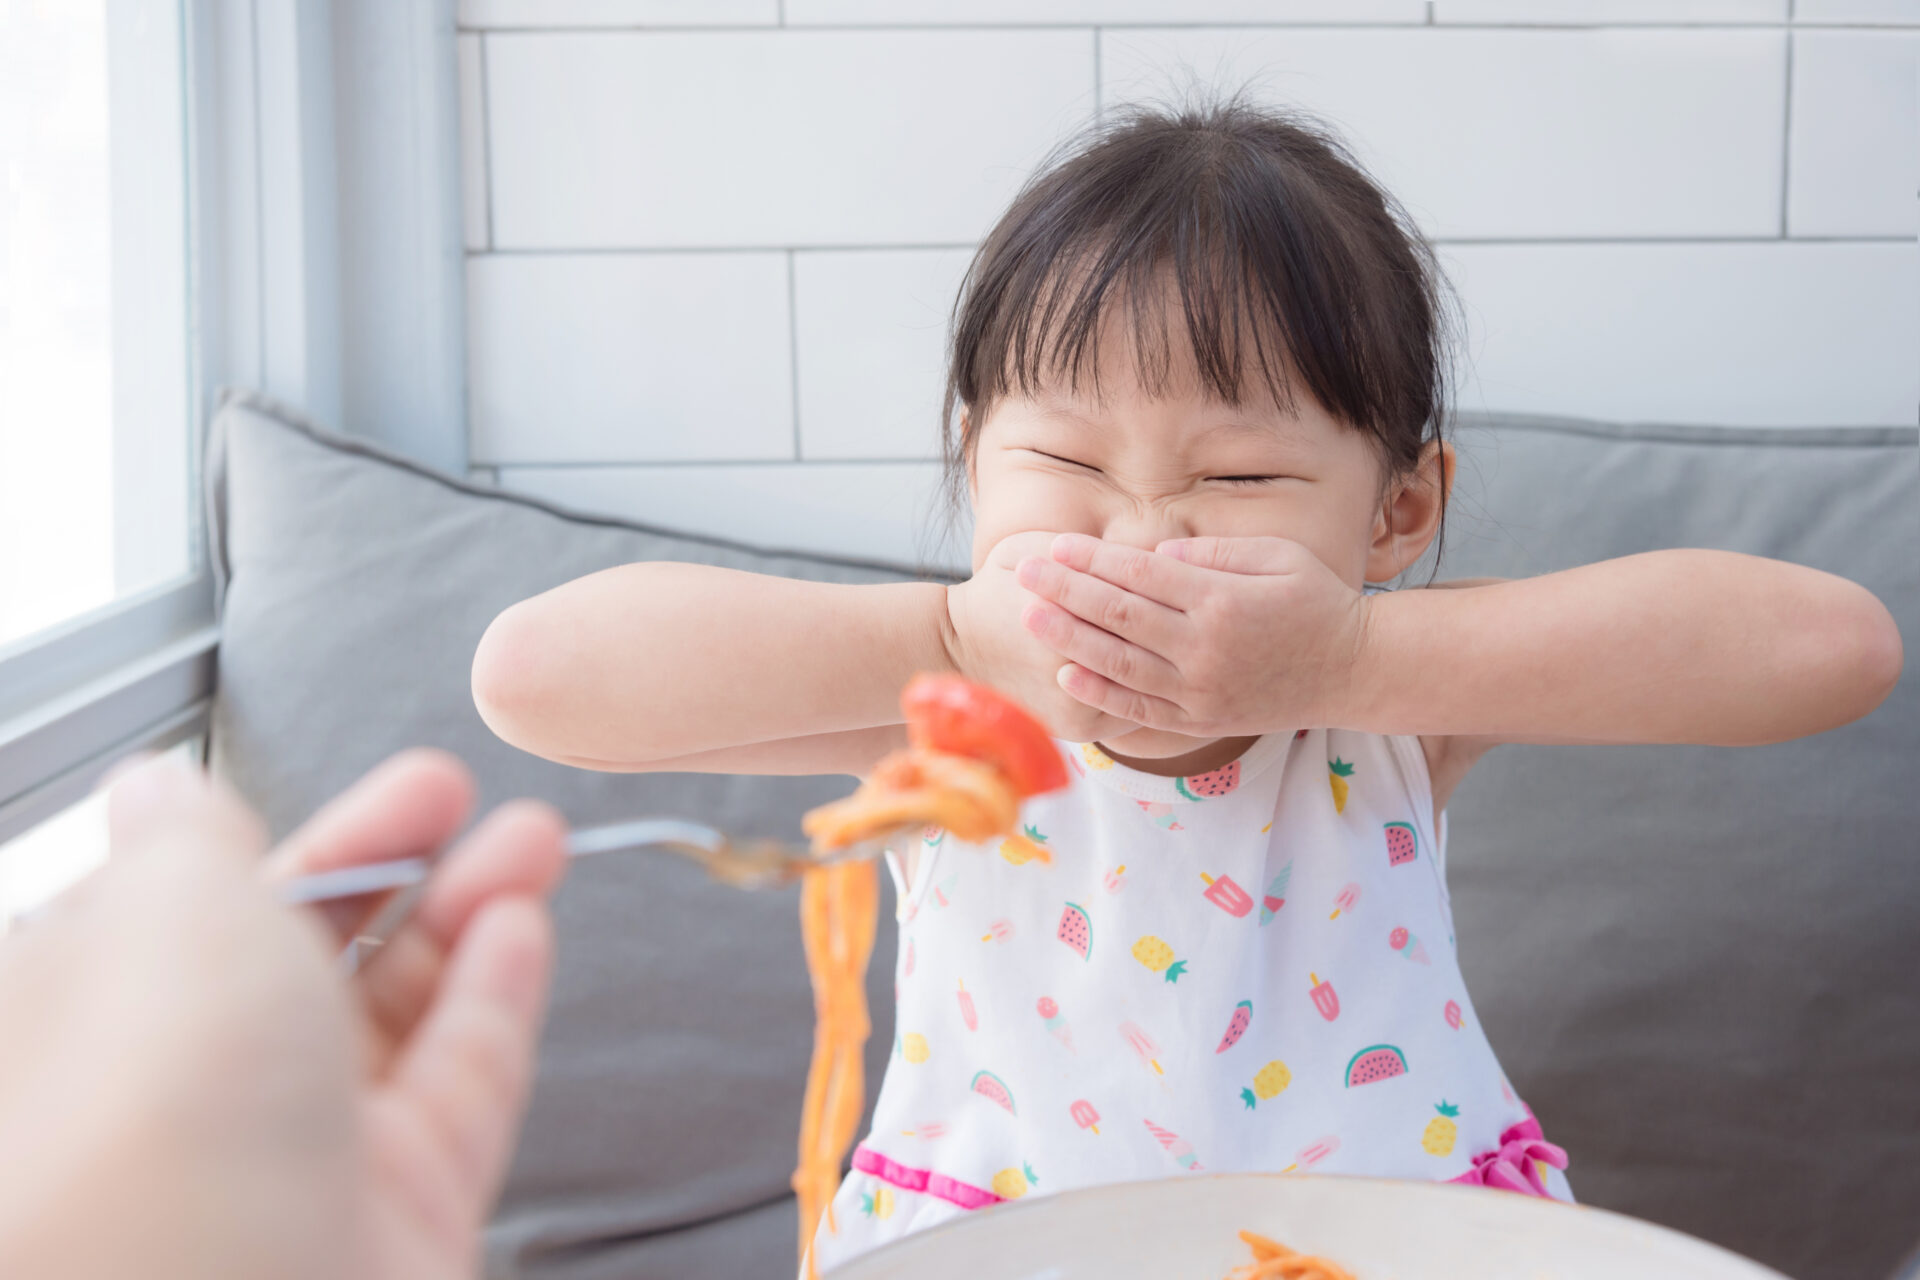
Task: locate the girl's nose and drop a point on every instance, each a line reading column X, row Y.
column 1146, row 526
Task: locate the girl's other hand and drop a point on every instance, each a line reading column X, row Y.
column 988, row 643
column 1213, row 637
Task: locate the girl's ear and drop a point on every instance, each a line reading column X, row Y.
column 1409, row 515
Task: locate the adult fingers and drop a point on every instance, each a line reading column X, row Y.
column 1234, row 555
column 406, row 806
column 463, row 1076
column 1117, row 659
column 164, row 805
column 1157, row 577
column 1116, row 700
column 518, row 850
column 1146, row 622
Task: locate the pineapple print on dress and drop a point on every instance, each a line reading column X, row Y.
column 1158, row 956
column 1441, row 1131
column 1029, row 846
column 1268, row 1083
column 1011, row 1184
column 1338, row 771
column 878, row 1203
column 1210, row 785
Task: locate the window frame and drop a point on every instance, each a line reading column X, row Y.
column 138, row 674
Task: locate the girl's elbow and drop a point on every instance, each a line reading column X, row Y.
column 1863, row 641
column 1882, row 654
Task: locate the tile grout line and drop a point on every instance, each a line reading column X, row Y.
column 793, row 354
column 486, row 141
column 1009, row 28
column 627, row 464
column 1444, row 241
column 1786, row 132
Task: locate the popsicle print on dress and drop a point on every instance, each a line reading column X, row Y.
column 1143, row 1045
column 1223, row 893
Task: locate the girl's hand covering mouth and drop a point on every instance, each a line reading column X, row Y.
column 1212, row 637
column 987, row 644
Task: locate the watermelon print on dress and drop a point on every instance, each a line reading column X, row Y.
column 993, row 1089
column 1076, row 929
column 1237, row 1025
column 1210, row 786
column 1402, row 844
column 1376, row 1062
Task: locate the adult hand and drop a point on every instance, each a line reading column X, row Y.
column 206, row 1097
column 991, row 646
column 1212, row 637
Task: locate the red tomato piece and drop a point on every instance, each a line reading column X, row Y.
column 946, row 713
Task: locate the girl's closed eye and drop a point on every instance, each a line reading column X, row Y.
column 1071, row 462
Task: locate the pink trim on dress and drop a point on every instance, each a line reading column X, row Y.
column 1515, row 1164
column 925, row 1181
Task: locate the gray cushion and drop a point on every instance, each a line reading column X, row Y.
column 1697, row 964
column 662, row 1129
column 1701, row 966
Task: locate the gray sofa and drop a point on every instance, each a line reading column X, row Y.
column 1701, row 966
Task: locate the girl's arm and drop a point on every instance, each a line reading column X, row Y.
column 678, row 666
column 1671, row 646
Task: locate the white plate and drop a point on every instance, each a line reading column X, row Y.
column 1187, row 1229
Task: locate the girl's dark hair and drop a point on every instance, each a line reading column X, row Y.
column 1289, row 263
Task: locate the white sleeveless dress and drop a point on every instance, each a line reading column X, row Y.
column 1251, row 969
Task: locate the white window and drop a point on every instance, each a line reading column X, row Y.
column 94, row 363
column 106, row 629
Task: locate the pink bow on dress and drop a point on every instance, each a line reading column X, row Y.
column 1515, row 1166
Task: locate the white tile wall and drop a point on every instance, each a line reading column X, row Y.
column 1854, row 153
column 1518, row 134
column 887, row 511
column 1890, row 11
column 772, row 138
column 1594, row 12
column 1776, row 334
column 870, row 333
column 619, row 13
column 1102, row 12
column 629, row 358
column 710, row 268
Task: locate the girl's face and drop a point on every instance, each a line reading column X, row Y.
column 1139, row 469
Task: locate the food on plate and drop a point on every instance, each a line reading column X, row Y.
column 1274, row 1261
column 973, row 756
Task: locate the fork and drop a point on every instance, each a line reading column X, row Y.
column 749, row 864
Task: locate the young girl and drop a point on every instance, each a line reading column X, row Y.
column 1199, row 371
